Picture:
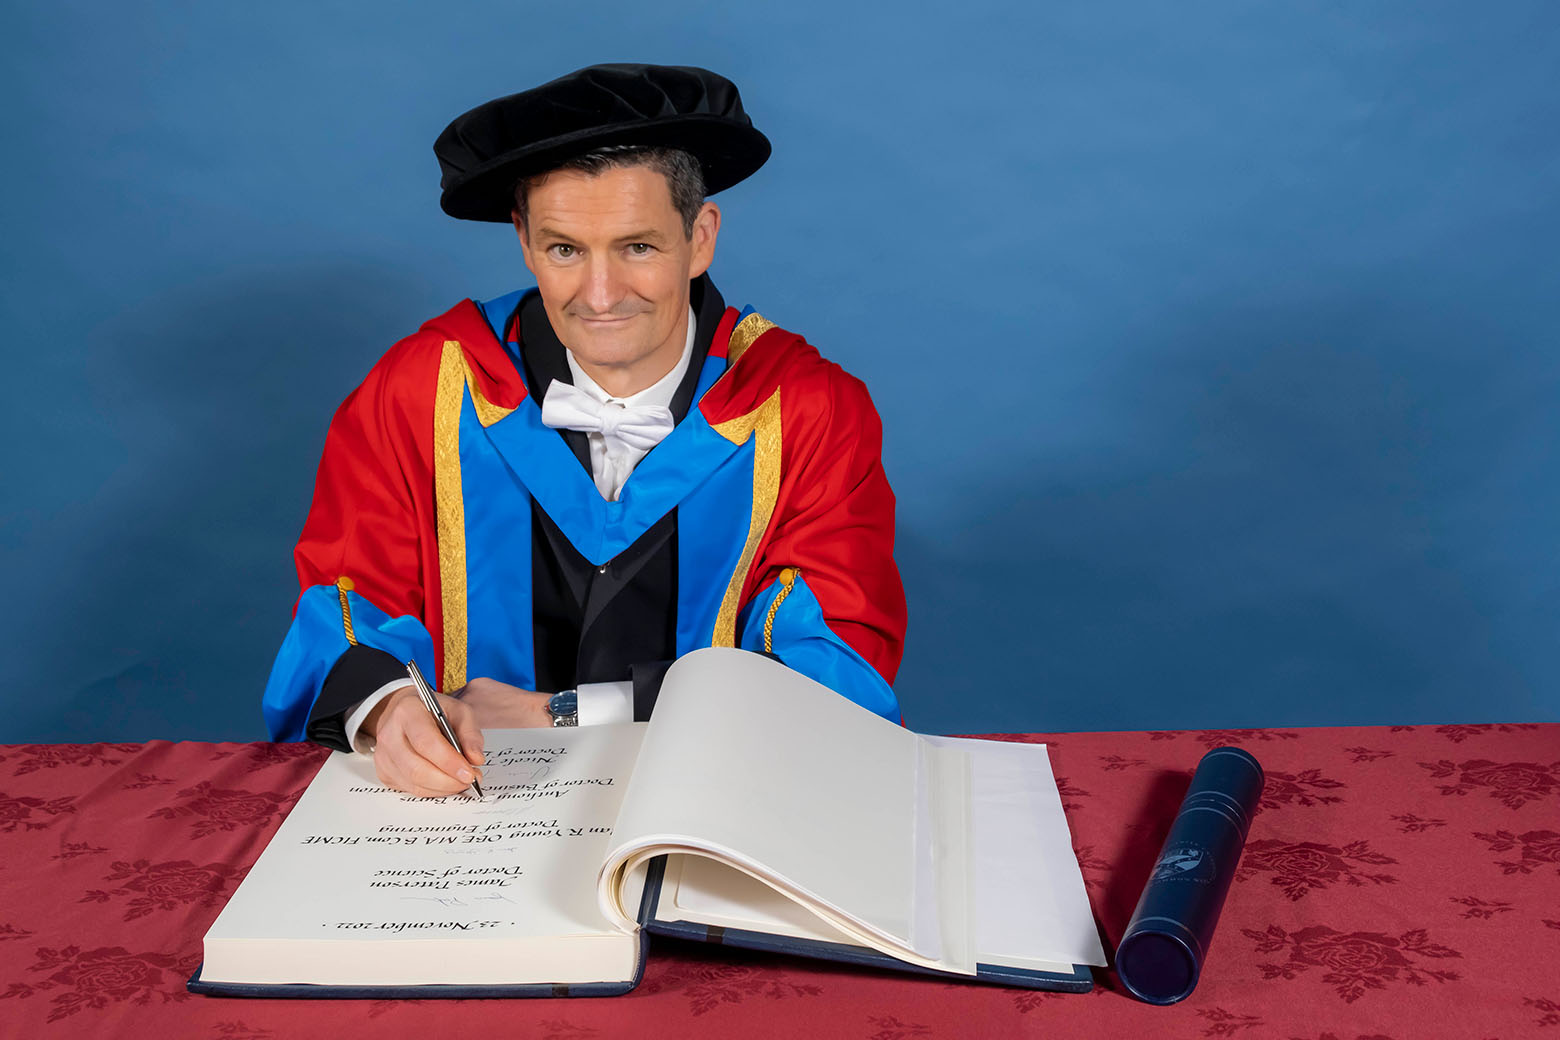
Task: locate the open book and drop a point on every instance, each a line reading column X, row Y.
column 757, row 808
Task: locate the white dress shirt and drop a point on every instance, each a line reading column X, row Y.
column 611, row 465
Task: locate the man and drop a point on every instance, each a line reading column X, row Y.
column 566, row 489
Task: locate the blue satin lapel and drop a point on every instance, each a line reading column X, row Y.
column 498, row 562
column 712, row 527
column 499, row 310
column 542, row 462
column 714, row 368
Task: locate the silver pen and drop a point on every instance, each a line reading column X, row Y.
column 432, row 704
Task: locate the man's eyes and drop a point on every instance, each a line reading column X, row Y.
column 561, row 251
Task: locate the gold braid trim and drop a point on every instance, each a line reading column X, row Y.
column 488, row 413
column 763, row 423
column 344, row 586
column 787, row 581
column 450, row 511
column 744, row 336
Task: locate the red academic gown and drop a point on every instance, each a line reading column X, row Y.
column 418, row 539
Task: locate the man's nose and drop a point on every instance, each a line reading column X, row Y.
column 603, row 284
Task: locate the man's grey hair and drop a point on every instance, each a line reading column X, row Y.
column 681, row 170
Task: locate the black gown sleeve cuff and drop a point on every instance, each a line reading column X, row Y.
column 647, row 678
column 356, row 674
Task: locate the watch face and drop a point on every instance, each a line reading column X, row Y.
column 563, row 705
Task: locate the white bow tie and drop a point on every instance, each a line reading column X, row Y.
column 637, row 427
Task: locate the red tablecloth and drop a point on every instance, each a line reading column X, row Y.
column 1398, row 882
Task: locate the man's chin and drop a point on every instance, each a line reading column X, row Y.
column 595, row 353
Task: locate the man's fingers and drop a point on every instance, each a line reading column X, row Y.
column 464, row 722
column 428, row 741
column 429, row 781
column 402, row 767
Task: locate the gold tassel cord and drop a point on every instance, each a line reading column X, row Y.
column 787, row 580
column 344, row 586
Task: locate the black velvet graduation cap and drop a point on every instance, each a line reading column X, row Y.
column 486, row 151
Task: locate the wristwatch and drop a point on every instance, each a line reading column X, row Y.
column 564, row 707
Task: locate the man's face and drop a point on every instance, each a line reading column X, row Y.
column 613, row 265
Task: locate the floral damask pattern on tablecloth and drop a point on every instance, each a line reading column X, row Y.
column 1549, row 1009
column 1412, row 824
column 706, row 986
column 1354, row 962
column 1458, row 734
column 31, row 813
column 1513, row 784
column 77, row 979
column 144, row 886
column 212, row 809
column 1308, row 787
column 258, row 756
column 1536, row 850
column 29, row 758
column 1297, row 867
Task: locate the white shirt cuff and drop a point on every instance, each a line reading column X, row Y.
column 605, row 702
column 355, row 719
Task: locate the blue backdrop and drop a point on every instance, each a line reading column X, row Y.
column 1215, row 342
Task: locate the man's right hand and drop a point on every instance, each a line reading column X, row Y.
column 410, row 752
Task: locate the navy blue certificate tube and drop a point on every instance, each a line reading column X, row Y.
column 1161, row 954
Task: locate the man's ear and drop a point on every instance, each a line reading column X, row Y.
column 525, row 239
column 706, row 229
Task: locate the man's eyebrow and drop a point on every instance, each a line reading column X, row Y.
column 553, row 233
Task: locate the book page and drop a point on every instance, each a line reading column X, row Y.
column 942, row 925
column 1031, row 906
column 365, row 885
column 776, row 774
column 1032, row 910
